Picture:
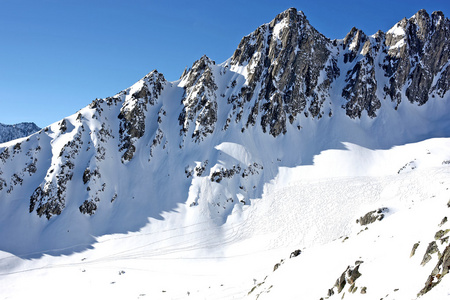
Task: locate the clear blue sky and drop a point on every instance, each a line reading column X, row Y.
column 56, row 56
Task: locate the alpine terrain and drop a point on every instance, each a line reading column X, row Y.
column 299, row 168
column 12, row 132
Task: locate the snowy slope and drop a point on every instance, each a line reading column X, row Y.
column 201, row 185
column 312, row 208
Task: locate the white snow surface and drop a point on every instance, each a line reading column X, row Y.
column 397, row 29
column 184, row 255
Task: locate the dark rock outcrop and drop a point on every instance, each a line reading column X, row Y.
column 372, row 216
column 285, row 58
column 133, row 113
column 199, row 101
column 441, row 269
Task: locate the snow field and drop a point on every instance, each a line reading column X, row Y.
column 311, row 208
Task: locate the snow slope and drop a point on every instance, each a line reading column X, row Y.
column 313, row 208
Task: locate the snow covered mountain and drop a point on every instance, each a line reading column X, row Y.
column 280, row 147
column 12, row 132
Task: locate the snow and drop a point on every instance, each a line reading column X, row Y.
column 278, row 28
column 185, row 255
column 236, row 151
column 397, row 30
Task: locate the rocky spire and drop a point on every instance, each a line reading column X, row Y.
column 285, row 58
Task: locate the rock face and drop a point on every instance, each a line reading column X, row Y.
column 132, row 115
column 12, row 132
column 199, row 100
column 348, row 276
column 417, row 57
column 284, row 60
column 286, row 86
column 372, row 216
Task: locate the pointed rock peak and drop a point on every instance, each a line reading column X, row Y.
column 421, row 14
column 379, row 34
column 421, row 19
column 186, row 70
column 437, row 15
column 354, row 39
column 438, row 18
column 289, row 17
column 205, row 59
column 287, row 29
column 199, row 65
column 154, row 76
column 290, row 13
column 198, row 68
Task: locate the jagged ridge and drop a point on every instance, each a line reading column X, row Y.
column 286, row 85
column 20, row 130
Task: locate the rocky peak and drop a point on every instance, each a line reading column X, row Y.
column 423, row 21
column 418, row 50
column 191, row 75
column 199, row 100
column 285, row 58
column 133, row 112
column 353, row 41
column 285, row 28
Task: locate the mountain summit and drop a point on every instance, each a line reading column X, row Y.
column 286, row 87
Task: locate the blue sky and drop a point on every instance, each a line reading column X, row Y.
column 56, row 56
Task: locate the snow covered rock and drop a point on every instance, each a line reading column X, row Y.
column 12, row 132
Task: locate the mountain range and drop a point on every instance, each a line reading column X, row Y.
column 16, row 131
column 228, row 156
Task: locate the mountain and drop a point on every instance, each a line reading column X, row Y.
column 238, row 160
column 12, row 132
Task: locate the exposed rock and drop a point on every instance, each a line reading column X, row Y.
column 133, row 113
column 414, row 248
column 431, row 249
column 277, row 265
column 441, row 269
column 440, row 234
column 353, row 274
column 372, row 216
column 422, row 40
column 199, row 102
column 360, row 90
column 88, row 207
column 340, row 283
column 284, row 57
column 295, row 253
column 350, row 275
